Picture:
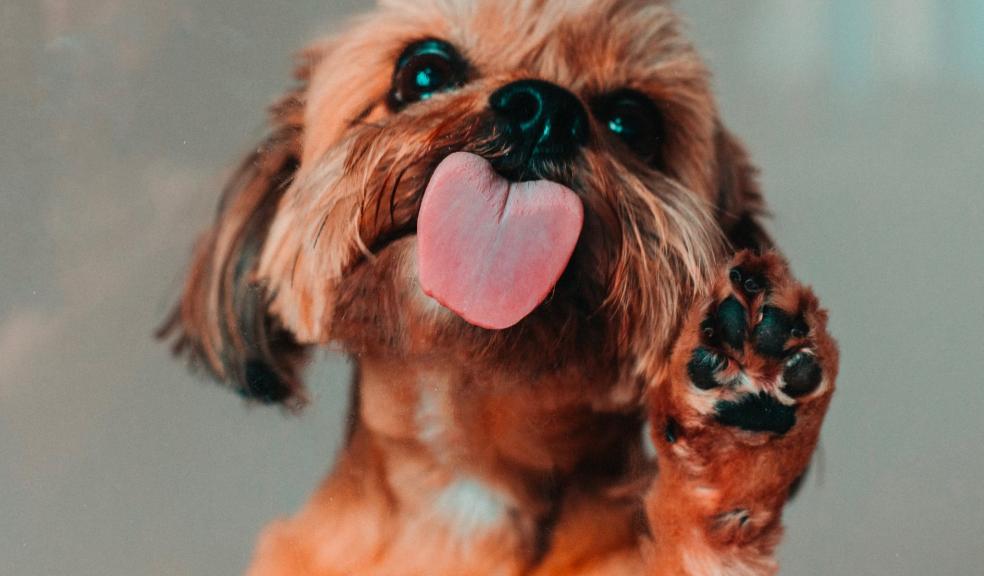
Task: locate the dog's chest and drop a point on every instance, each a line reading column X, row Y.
column 470, row 508
column 465, row 503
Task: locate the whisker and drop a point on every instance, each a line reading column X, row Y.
column 321, row 228
column 396, row 185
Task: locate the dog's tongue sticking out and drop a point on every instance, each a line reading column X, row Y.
column 489, row 249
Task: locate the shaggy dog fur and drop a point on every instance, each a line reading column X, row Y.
column 518, row 451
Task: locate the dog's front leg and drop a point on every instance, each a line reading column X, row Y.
column 736, row 417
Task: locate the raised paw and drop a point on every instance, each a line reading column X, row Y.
column 737, row 413
column 754, row 357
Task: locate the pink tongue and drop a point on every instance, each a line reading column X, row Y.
column 492, row 250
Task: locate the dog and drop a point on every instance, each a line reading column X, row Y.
column 527, row 225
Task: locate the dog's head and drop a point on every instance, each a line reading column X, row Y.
column 316, row 237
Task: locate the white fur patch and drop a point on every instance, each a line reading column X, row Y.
column 471, row 507
column 428, row 416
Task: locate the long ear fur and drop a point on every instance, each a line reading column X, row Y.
column 740, row 205
column 222, row 321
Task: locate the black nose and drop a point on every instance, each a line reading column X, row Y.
column 540, row 119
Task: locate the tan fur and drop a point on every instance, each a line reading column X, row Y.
column 471, row 452
column 717, row 502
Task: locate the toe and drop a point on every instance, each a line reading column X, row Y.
column 748, row 281
column 704, row 365
column 775, row 329
column 732, row 322
column 802, row 375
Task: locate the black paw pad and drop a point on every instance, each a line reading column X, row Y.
column 747, row 281
column 756, row 413
column 775, row 330
column 672, row 431
column 802, row 375
column 732, row 322
column 738, row 516
column 704, row 364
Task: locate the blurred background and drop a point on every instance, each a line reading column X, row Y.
column 121, row 119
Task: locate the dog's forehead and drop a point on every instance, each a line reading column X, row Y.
column 591, row 44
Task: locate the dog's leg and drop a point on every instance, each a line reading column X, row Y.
column 736, row 416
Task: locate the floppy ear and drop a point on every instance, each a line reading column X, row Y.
column 222, row 321
column 740, row 205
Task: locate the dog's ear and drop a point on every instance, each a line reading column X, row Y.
column 222, row 322
column 740, row 206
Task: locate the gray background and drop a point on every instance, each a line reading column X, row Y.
column 120, row 120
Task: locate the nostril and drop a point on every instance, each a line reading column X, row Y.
column 522, row 107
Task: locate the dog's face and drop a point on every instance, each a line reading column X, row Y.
column 316, row 239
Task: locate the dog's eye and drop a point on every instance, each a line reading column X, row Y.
column 635, row 120
column 425, row 68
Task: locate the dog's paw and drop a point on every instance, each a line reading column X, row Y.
column 739, row 411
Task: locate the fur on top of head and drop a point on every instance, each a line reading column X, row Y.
column 313, row 241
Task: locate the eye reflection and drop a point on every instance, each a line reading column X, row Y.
column 634, row 120
column 423, row 69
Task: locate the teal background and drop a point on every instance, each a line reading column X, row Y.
column 120, row 119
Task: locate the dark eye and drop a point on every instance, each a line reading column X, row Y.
column 424, row 69
column 635, row 120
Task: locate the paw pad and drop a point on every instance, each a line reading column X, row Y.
column 756, row 358
column 738, row 516
column 703, row 366
column 802, row 375
column 732, row 322
column 774, row 331
column 672, row 431
column 748, row 282
column 756, row 413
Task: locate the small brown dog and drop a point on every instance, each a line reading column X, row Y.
column 516, row 216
